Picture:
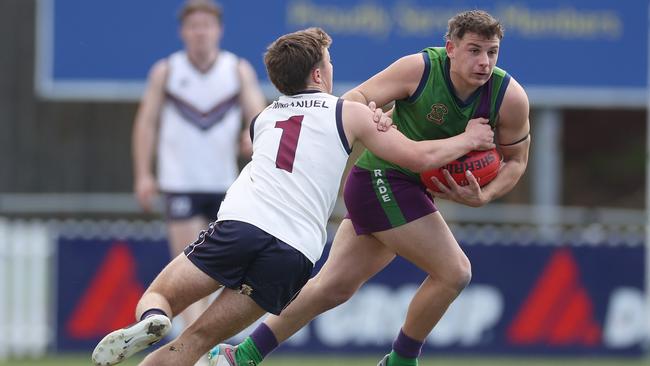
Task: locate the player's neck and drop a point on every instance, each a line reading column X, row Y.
column 203, row 61
column 313, row 86
column 462, row 89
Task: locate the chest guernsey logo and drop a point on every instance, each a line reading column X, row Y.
column 438, row 113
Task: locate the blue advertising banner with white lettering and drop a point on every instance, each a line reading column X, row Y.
column 103, row 49
column 551, row 300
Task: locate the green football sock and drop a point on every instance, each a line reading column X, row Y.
column 396, row 360
column 247, row 353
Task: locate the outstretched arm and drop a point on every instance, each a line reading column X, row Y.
column 417, row 156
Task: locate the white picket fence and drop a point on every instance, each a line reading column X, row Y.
column 26, row 324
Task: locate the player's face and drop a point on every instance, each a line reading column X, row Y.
column 473, row 58
column 200, row 31
column 327, row 71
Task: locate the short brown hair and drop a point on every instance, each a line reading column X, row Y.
column 208, row 6
column 290, row 58
column 474, row 21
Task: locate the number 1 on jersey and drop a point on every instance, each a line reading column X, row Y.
column 288, row 142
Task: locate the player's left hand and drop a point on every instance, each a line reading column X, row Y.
column 470, row 195
column 383, row 120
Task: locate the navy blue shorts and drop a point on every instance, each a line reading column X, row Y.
column 243, row 257
column 182, row 206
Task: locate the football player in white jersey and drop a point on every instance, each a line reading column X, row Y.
column 271, row 226
column 190, row 118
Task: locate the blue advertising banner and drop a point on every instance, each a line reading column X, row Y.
column 104, row 49
column 547, row 300
column 99, row 282
column 542, row 300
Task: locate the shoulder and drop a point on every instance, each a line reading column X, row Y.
column 229, row 59
column 353, row 109
column 355, row 116
column 244, row 68
column 513, row 122
column 177, row 59
column 351, row 112
column 500, row 72
column 354, row 119
column 435, row 52
column 405, row 67
column 402, row 77
column 159, row 71
column 413, row 64
column 515, row 99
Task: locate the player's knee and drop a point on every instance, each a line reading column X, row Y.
column 461, row 274
column 330, row 295
column 339, row 296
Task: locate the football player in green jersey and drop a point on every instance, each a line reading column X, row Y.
column 436, row 93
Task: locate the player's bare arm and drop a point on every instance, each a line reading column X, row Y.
column 513, row 137
column 398, row 81
column 145, row 132
column 252, row 101
column 417, row 156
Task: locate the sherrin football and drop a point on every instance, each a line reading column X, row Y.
column 484, row 165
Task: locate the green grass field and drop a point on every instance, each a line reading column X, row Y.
column 79, row 360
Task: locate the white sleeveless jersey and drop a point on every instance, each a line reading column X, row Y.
column 290, row 186
column 199, row 126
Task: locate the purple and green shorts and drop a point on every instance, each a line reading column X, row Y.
column 381, row 199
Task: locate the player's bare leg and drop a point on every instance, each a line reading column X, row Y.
column 339, row 279
column 177, row 286
column 182, row 233
column 429, row 244
column 352, row 261
column 426, row 242
column 229, row 314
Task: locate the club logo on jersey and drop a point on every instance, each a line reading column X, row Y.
column 438, row 113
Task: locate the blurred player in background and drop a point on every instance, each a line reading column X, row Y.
column 192, row 110
column 437, row 93
column 272, row 224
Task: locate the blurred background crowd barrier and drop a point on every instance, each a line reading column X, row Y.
column 559, row 264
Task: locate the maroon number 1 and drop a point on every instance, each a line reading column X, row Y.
column 288, row 142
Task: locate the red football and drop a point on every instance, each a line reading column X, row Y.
column 483, row 164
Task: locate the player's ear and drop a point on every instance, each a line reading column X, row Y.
column 316, row 76
column 450, row 46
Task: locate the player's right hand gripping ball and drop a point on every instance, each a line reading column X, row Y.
column 484, row 165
